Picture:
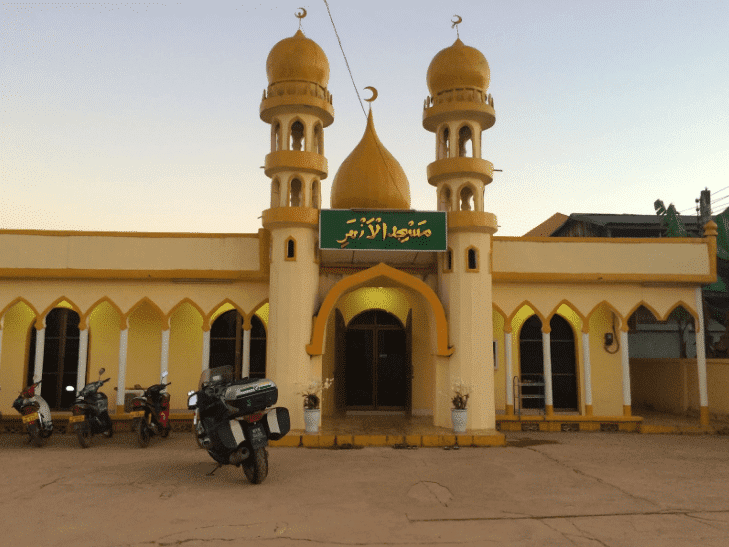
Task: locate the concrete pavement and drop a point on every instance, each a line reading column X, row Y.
column 584, row 489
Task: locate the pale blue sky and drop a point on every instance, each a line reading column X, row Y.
column 144, row 117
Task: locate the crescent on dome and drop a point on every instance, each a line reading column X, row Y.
column 374, row 93
column 301, row 14
column 460, row 20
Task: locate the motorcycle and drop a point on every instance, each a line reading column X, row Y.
column 91, row 413
column 233, row 423
column 36, row 414
column 151, row 413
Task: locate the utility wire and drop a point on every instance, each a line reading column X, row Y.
column 345, row 58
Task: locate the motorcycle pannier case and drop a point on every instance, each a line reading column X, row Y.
column 250, row 396
column 277, row 423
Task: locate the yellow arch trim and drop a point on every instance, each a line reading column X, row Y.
column 623, row 322
column 163, row 317
column 688, row 309
column 215, row 312
column 57, row 301
column 247, row 318
column 536, row 311
column 381, row 270
column 122, row 319
column 571, row 306
column 647, row 306
column 16, row 301
column 206, row 326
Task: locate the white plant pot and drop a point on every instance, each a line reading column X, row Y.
column 311, row 419
column 459, row 418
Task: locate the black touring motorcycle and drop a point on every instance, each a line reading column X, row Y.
column 233, row 424
column 91, row 413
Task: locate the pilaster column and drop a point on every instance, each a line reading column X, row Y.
column 122, row 371
column 701, row 362
column 246, row 366
column 509, row 373
column 40, row 344
column 625, row 360
column 547, row 355
column 1, row 341
column 206, row 350
column 83, row 346
column 588, row 371
column 164, row 353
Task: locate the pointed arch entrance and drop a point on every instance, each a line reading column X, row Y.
column 376, row 366
column 226, row 344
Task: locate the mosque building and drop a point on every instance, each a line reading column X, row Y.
column 395, row 304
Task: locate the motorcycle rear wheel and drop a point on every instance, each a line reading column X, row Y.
column 84, row 437
column 256, row 466
column 143, row 435
column 35, row 436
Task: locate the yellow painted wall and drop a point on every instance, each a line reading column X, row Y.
column 185, row 362
column 423, row 357
column 500, row 372
column 103, row 351
column 16, row 335
column 717, row 374
column 607, row 375
column 144, row 345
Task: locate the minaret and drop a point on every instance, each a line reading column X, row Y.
column 298, row 106
column 458, row 111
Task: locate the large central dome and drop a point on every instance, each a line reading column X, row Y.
column 370, row 177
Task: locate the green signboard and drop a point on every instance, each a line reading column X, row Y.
column 382, row 230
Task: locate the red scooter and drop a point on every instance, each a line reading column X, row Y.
column 151, row 413
column 36, row 414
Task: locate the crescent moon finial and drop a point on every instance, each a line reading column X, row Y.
column 457, row 22
column 374, row 93
column 301, row 14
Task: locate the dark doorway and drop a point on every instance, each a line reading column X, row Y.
column 226, row 344
column 532, row 363
column 60, row 358
column 564, row 364
column 376, row 362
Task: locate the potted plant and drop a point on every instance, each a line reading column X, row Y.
column 459, row 399
column 312, row 399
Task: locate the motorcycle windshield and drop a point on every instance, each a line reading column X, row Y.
column 218, row 375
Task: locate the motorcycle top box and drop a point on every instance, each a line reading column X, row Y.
column 251, row 395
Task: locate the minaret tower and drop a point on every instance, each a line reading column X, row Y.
column 458, row 110
column 298, row 106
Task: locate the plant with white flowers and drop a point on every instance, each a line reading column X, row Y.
column 312, row 393
column 460, row 394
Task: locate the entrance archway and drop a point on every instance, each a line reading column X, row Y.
column 376, row 362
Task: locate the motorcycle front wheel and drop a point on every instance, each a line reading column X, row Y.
column 143, row 435
column 35, row 436
column 84, row 437
column 256, row 466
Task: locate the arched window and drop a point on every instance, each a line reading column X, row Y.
column 297, row 136
column 295, row 194
column 444, row 203
column 318, row 139
column 226, row 344
column 448, row 261
column 465, row 142
column 290, row 249
column 444, row 144
column 258, row 348
column 276, row 137
column 472, row 260
column 466, row 199
column 60, row 358
column 275, row 193
column 531, row 362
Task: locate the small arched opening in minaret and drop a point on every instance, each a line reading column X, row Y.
column 297, row 136
column 466, row 196
column 275, row 136
column 444, row 201
column 275, row 193
column 295, row 193
column 318, row 139
column 444, row 143
column 472, row 259
column 465, row 142
column 315, row 197
column 291, row 249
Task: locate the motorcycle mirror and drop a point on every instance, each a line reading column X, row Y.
column 102, row 371
column 164, row 375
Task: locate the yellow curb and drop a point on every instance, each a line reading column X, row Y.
column 439, row 440
column 414, row 440
column 627, row 427
column 394, row 439
column 370, row 440
column 327, row 440
column 288, row 440
column 344, row 439
column 589, row 426
column 489, row 440
column 310, row 440
column 464, row 440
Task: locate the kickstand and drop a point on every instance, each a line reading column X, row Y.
column 218, row 466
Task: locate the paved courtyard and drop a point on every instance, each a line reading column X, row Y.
column 575, row 489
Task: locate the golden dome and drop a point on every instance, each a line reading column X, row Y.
column 297, row 58
column 370, row 177
column 458, row 66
